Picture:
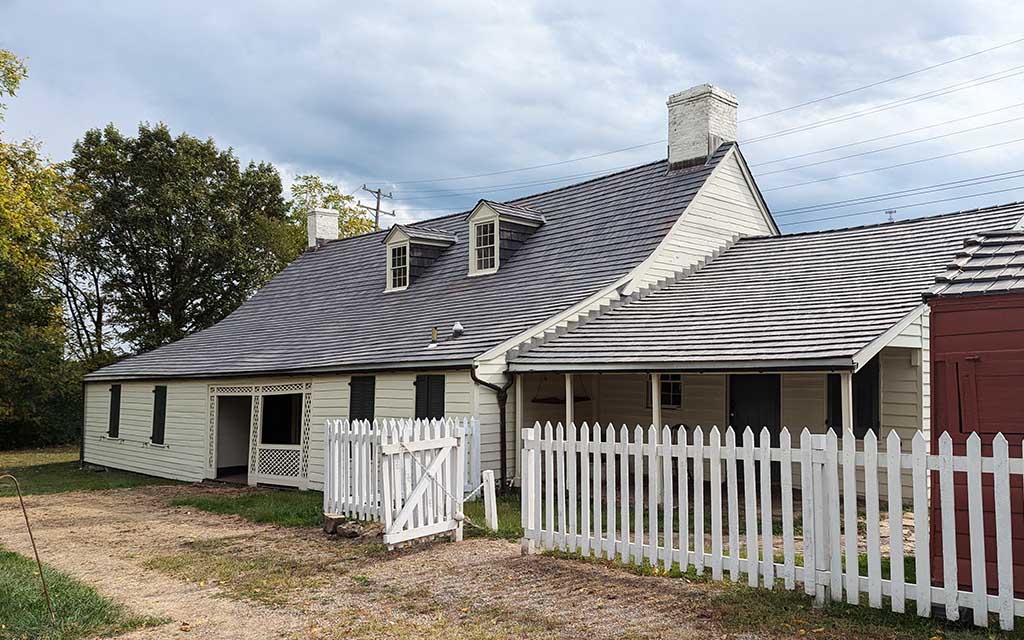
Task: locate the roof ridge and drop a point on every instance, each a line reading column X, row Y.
column 946, row 214
column 588, row 181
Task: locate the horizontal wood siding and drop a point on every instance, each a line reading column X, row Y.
column 186, row 430
column 803, row 401
column 188, row 419
column 724, row 210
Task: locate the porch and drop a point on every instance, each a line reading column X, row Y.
column 887, row 394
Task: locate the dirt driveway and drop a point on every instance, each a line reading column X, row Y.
column 197, row 569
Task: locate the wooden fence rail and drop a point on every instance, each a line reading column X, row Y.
column 644, row 496
column 354, row 452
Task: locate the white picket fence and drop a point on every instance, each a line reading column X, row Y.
column 644, row 509
column 404, row 473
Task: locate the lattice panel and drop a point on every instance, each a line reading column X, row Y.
column 296, row 387
column 307, row 402
column 280, row 462
column 254, row 430
column 213, row 432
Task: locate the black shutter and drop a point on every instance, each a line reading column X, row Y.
column 159, row 413
column 867, row 409
column 430, row 396
column 114, row 424
column 360, row 405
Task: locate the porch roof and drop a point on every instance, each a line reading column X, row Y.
column 800, row 301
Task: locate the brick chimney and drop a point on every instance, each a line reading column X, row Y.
column 699, row 120
column 321, row 226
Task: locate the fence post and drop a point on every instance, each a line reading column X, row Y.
column 490, row 504
column 821, row 515
column 528, row 493
column 459, row 481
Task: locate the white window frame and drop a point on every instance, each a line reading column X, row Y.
column 670, row 378
column 408, row 274
column 496, row 224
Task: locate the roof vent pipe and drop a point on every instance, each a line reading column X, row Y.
column 321, row 226
column 457, row 330
column 699, row 120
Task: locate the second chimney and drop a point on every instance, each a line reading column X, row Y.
column 321, row 226
column 699, row 120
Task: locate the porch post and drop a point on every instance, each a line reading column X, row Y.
column 570, row 400
column 520, row 421
column 656, row 400
column 846, row 390
column 656, row 421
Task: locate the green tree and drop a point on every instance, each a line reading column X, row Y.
column 34, row 378
column 311, row 192
column 183, row 234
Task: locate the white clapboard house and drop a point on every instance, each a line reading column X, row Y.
column 568, row 305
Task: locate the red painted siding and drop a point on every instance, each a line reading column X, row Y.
column 977, row 351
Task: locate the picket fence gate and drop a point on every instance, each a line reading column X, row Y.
column 645, row 509
column 411, row 475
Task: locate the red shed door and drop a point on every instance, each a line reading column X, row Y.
column 980, row 393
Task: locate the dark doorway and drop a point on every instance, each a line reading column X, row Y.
column 234, row 415
column 754, row 401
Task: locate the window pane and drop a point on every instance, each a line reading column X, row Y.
column 399, row 267
column 485, row 246
column 282, row 414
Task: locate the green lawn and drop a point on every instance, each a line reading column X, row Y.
column 80, row 611
column 56, row 469
column 288, row 508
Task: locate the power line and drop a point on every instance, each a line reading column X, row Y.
column 757, row 139
column 510, row 186
column 881, row 82
column 903, row 193
column 894, row 166
column 536, row 166
column 906, row 206
column 885, row 137
column 890, row 148
column 927, row 95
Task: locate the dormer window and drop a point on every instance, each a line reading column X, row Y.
column 495, row 232
column 398, row 267
column 410, row 252
column 486, row 257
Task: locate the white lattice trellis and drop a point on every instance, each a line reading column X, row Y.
column 280, row 461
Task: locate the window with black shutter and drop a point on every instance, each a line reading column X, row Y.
column 114, row 424
column 430, row 396
column 159, row 414
column 360, row 405
column 867, row 400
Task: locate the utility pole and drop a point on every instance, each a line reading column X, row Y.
column 376, row 210
column 892, row 214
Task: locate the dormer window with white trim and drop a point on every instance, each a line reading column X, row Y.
column 398, row 266
column 484, row 247
column 410, row 252
column 495, row 232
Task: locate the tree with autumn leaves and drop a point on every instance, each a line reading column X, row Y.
column 134, row 242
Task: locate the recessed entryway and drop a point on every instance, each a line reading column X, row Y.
column 234, row 414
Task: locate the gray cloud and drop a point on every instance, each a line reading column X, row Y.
column 389, row 92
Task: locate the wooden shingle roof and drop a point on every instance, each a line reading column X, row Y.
column 803, row 300
column 988, row 264
column 328, row 310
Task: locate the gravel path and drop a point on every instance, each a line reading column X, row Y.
column 478, row 588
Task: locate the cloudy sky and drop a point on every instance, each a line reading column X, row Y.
column 403, row 94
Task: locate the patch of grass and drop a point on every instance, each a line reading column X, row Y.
column 56, row 469
column 288, row 508
column 244, row 573
column 509, row 519
column 80, row 611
